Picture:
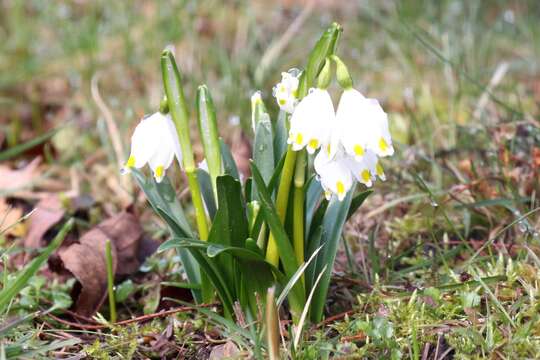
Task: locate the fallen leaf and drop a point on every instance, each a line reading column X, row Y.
column 229, row 350
column 48, row 212
column 8, row 217
column 17, row 179
column 86, row 259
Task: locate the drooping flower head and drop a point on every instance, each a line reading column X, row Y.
column 154, row 142
column 286, row 91
column 338, row 172
column 362, row 125
column 312, row 121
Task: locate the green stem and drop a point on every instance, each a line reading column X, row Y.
column 110, row 280
column 272, row 253
column 196, row 197
column 172, row 81
column 298, row 208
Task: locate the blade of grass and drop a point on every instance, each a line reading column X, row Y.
column 12, row 289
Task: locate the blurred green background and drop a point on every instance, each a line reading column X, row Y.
column 451, row 74
column 444, row 52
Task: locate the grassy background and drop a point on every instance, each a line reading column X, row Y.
column 460, row 80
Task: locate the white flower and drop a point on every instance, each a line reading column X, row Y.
column 286, row 91
column 255, row 100
column 155, row 142
column 362, row 125
column 338, row 172
column 312, row 121
column 334, row 174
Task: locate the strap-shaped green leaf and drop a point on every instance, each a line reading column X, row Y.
column 286, row 252
column 12, row 288
column 263, row 150
column 205, row 182
column 162, row 198
column 206, row 118
column 334, row 219
column 229, row 166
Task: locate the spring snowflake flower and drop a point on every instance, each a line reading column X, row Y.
column 337, row 173
column 286, row 91
column 362, row 125
column 155, row 142
column 311, row 121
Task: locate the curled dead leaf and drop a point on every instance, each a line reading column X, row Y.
column 229, row 350
column 12, row 180
column 48, row 212
column 86, row 259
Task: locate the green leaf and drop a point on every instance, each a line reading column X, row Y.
column 334, row 219
column 263, row 150
column 313, row 244
column 281, row 134
column 162, row 198
column 11, row 289
column 230, row 226
column 206, row 116
column 313, row 198
column 286, row 252
column 357, row 201
column 205, row 182
column 172, row 83
column 287, row 256
column 228, row 161
column 21, row 148
column 325, row 47
column 124, row 290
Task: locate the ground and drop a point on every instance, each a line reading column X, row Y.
column 441, row 262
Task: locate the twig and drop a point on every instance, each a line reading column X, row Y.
column 130, row 321
column 358, row 337
column 109, row 119
column 336, row 317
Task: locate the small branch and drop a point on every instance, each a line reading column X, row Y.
column 130, row 321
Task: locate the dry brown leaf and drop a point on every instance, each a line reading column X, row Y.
column 86, row 259
column 8, row 217
column 229, row 350
column 11, row 180
column 48, row 213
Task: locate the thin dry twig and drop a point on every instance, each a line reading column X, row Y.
column 130, row 321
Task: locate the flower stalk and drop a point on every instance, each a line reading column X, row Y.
column 298, row 208
column 110, row 281
column 282, row 200
column 178, row 110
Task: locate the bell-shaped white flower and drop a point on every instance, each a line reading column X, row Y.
column 367, row 169
column 286, row 91
column 334, row 174
column 154, row 142
column 362, row 125
column 312, row 121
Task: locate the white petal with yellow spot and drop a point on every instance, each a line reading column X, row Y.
column 286, row 91
column 312, row 121
column 334, row 174
column 154, row 142
column 362, row 125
